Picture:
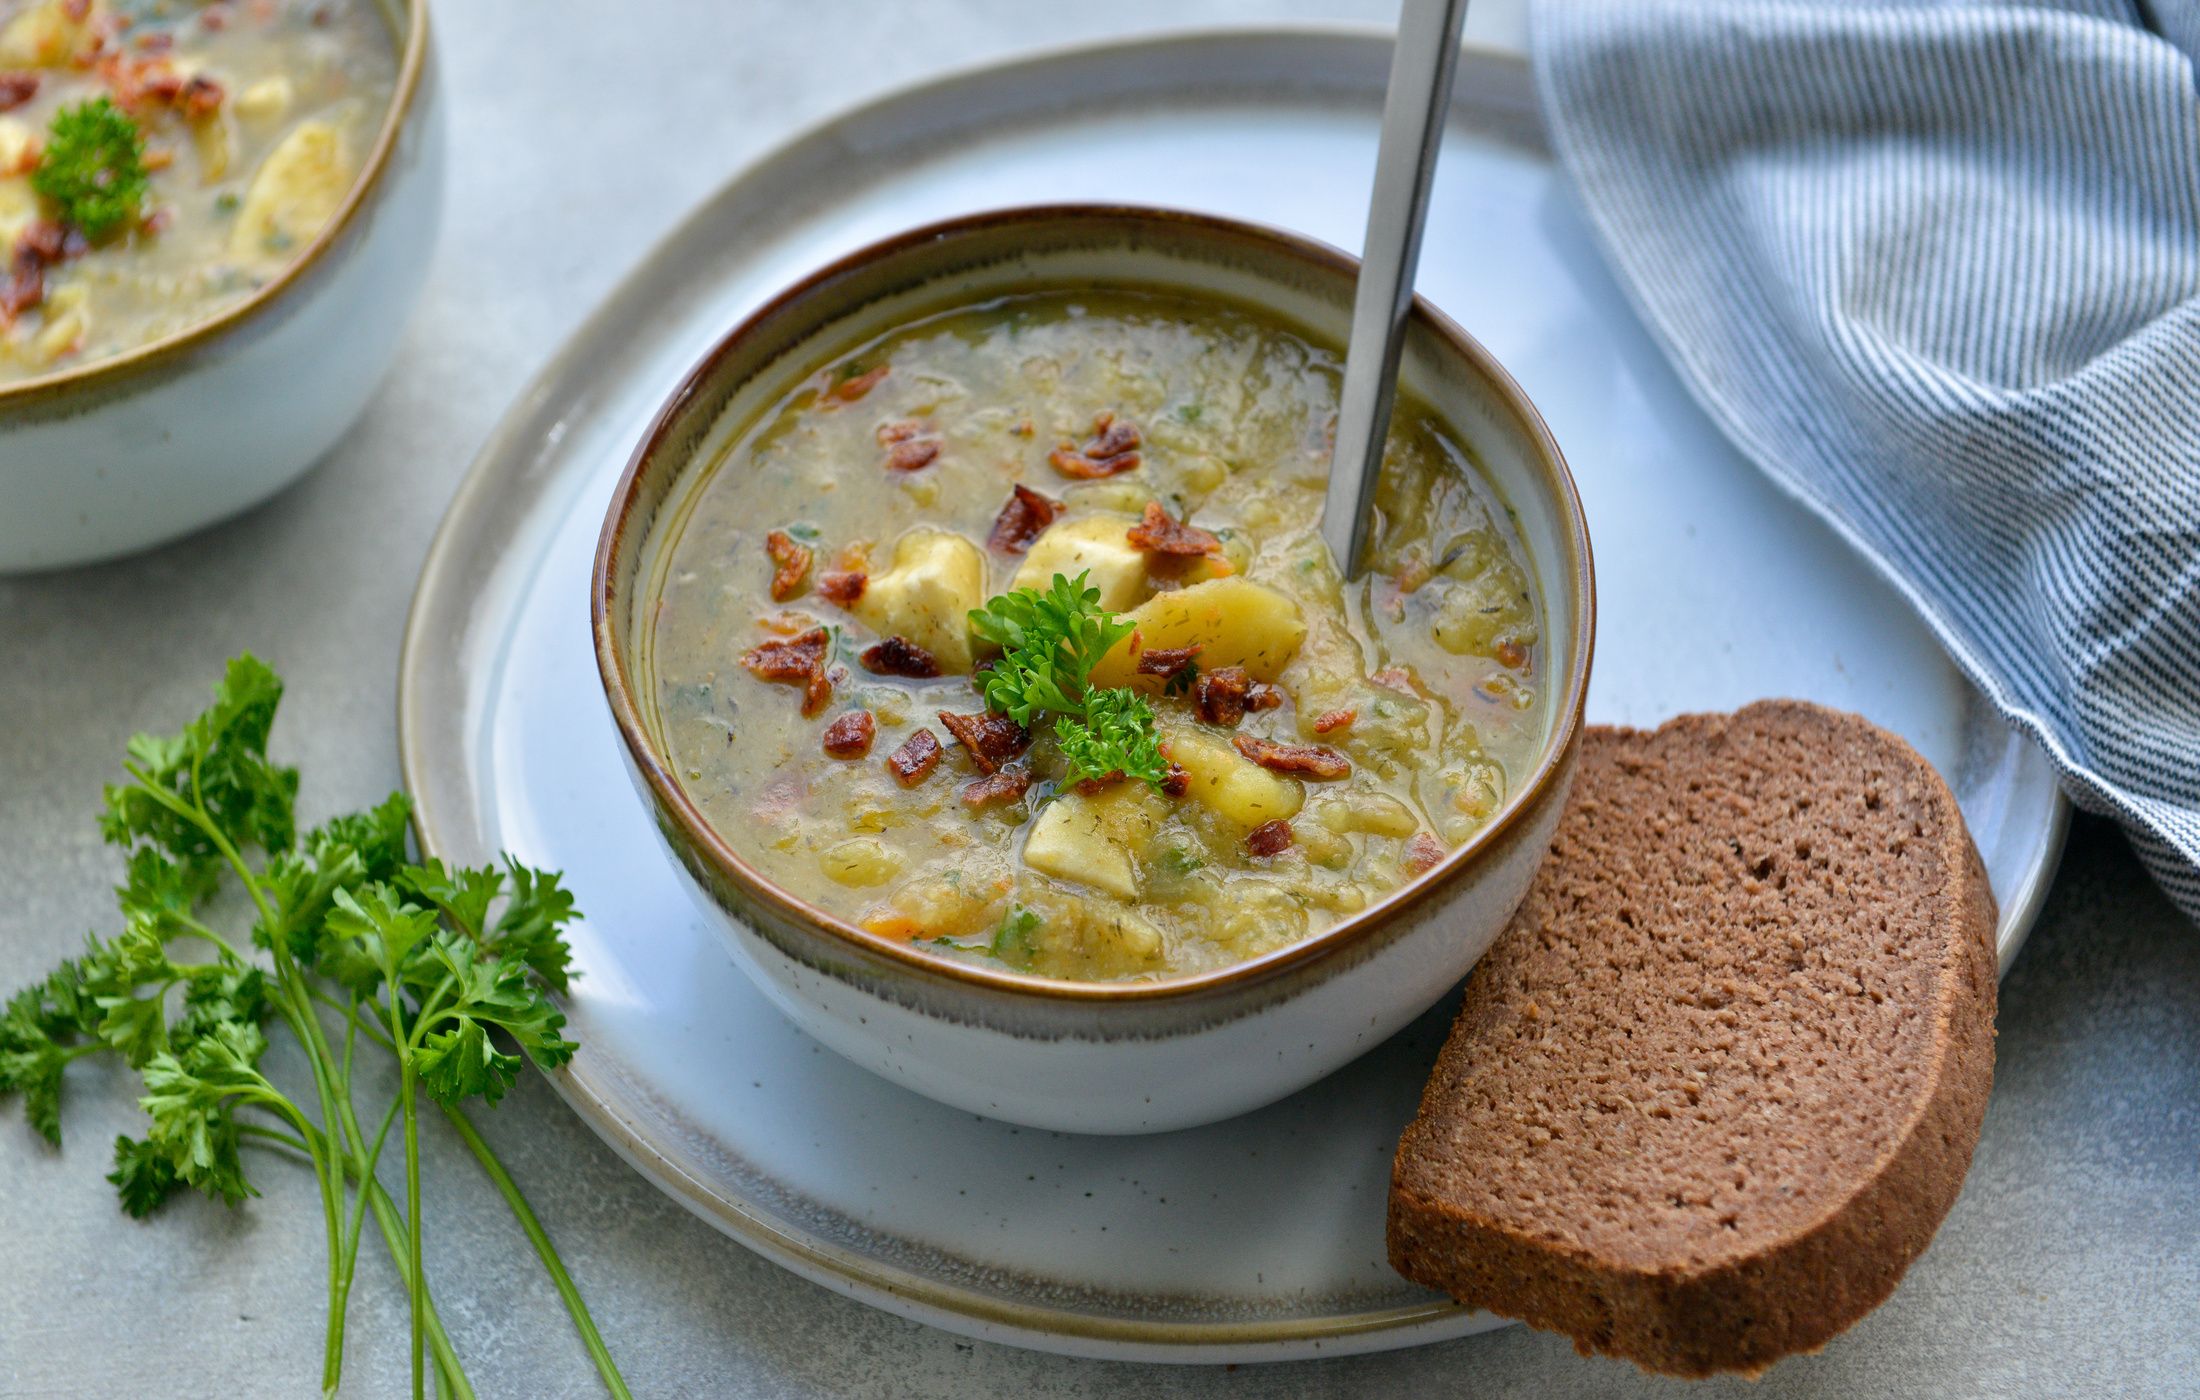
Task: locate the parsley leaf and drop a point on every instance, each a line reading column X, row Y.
column 94, row 168
column 447, row 972
column 1049, row 644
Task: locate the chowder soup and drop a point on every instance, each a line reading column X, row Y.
column 1316, row 743
column 233, row 130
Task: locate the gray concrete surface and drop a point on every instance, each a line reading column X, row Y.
column 2071, row 1265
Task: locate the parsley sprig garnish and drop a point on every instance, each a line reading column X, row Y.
column 93, row 168
column 447, row 971
column 1049, row 644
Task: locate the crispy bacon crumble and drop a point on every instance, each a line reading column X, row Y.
column 1269, row 838
column 850, row 735
column 1308, row 760
column 1166, row 661
column 994, row 788
column 1423, row 852
column 799, row 660
column 793, row 561
column 918, row 755
column 1156, row 533
column 1112, row 449
column 1021, row 520
column 898, row 656
column 991, row 739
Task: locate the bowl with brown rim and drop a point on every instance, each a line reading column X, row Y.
column 1098, row 1056
column 117, row 453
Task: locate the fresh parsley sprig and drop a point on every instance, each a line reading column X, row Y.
column 93, row 168
column 446, row 971
column 1050, row 641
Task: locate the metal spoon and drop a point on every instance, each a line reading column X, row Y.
column 1405, row 167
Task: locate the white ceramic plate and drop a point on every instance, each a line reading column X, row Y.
column 1259, row 1238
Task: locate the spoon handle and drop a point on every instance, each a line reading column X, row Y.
column 1405, row 167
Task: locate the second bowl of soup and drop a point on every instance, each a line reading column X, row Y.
column 968, row 624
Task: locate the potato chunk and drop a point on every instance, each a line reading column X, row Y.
column 1234, row 622
column 1229, row 783
column 45, row 36
column 296, row 191
column 1093, row 839
column 927, row 595
column 18, row 207
column 1098, row 546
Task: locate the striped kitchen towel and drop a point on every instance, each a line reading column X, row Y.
column 1936, row 269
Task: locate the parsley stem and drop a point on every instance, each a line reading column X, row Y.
column 392, row 1226
column 351, row 1234
column 277, row 1137
column 586, row 1324
column 405, row 1088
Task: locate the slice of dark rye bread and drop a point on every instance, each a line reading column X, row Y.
column 1719, row 1081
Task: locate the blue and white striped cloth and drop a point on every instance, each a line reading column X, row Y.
column 1936, row 269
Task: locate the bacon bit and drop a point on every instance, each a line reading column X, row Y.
column 855, row 386
column 215, row 16
column 43, row 239
column 843, row 586
column 1166, row 661
column 1269, row 838
column 786, row 624
column 1156, row 533
column 1310, row 759
column 794, row 564
column 23, row 287
column 141, row 81
column 803, row 660
column 1263, row 696
column 1020, row 521
column 990, row 738
column 918, row 755
column 1176, row 780
column 1396, row 678
column 159, row 158
column 898, row 430
column 1089, row 786
column 1113, row 448
column 17, row 89
column 1423, row 852
column 200, row 98
column 1511, row 654
column 914, row 455
column 1024, row 428
column 1005, row 786
column 898, row 656
column 156, row 41
column 1334, row 719
column 1220, row 695
column 818, row 693
column 850, row 735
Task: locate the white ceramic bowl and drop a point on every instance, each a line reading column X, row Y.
column 1085, row 1056
column 128, row 451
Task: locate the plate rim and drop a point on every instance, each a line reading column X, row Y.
column 516, row 436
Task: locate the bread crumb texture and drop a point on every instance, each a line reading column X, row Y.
column 1719, row 1081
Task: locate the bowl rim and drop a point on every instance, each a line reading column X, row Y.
column 697, row 833
column 156, row 354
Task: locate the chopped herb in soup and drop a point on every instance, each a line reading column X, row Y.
column 1013, row 634
column 160, row 160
